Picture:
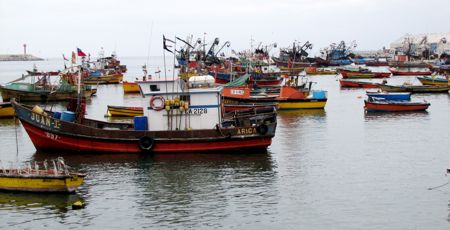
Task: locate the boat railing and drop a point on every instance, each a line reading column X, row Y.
column 58, row 168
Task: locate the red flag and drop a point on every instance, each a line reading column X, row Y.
column 64, row 57
column 80, row 53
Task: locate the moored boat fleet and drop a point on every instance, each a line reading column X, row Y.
column 210, row 103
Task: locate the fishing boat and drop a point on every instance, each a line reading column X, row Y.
column 415, row 88
column 295, row 56
column 292, row 95
column 434, row 80
column 176, row 122
column 41, row 178
column 350, row 83
column 361, row 72
column 320, row 71
column 264, row 76
column 391, row 96
column 124, row 111
column 34, row 72
column 376, row 105
column 42, row 89
column 396, row 71
column 6, row 110
column 107, row 78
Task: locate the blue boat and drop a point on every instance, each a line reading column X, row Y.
column 391, row 96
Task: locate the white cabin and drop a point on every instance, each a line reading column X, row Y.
column 158, row 86
column 203, row 109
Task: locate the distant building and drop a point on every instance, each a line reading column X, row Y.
column 422, row 46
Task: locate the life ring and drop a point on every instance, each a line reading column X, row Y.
column 262, row 129
column 158, row 105
column 146, row 143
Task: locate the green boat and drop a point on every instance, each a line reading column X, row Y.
column 42, row 88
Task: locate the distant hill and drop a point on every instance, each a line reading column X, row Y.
column 19, row 57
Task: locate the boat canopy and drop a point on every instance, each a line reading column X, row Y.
column 240, row 81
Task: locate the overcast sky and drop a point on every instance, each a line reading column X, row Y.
column 53, row 27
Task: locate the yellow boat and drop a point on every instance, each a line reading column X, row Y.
column 105, row 79
column 130, row 87
column 302, row 104
column 58, row 179
column 6, row 110
column 124, row 111
column 433, row 80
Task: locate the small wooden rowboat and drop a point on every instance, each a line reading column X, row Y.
column 130, row 87
column 395, row 71
column 6, row 110
column 364, row 73
column 124, row 111
column 40, row 179
column 415, row 88
column 320, row 71
column 115, row 78
column 427, row 80
column 392, row 96
column 372, row 105
column 357, row 84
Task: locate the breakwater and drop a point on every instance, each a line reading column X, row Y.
column 19, row 57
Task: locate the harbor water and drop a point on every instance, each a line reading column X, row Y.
column 338, row 168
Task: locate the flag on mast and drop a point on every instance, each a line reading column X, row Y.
column 64, row 57
column 80, row 53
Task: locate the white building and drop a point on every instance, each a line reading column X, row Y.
column 436, row 43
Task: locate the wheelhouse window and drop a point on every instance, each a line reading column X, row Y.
column 154, row 88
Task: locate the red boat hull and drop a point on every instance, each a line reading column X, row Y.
column 355, row 74
column 386, row 107
column 44, row 140
column 396, row 72
column 356, row 84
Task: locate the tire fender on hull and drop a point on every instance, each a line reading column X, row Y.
column 146, row 143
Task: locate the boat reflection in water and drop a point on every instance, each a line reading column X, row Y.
column 35, row 202
column 8, row 122
column 291, row 117
column 138, row 160
column 413, row 115
column 182, row 190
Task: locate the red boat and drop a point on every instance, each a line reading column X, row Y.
column 37, row 73
column 394, row 106
column 357, row 84
column 242, row 131
column 395, row 71
column 363, row 73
